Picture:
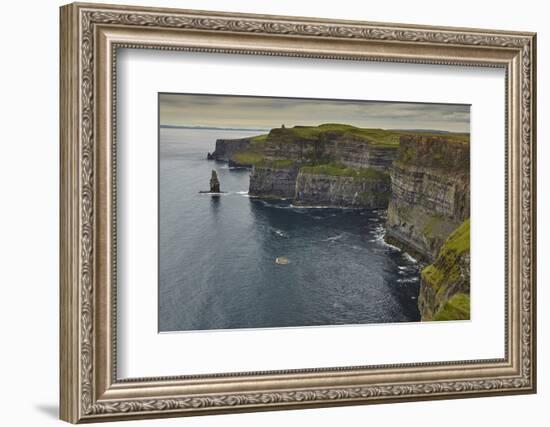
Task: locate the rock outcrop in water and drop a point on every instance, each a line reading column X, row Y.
column 214, row 182
column 214, row 185
column 430, row 193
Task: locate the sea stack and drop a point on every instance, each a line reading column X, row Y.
column 214, row 183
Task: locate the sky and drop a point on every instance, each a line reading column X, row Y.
column 268, row 113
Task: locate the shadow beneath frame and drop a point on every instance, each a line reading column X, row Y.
column 50, row 410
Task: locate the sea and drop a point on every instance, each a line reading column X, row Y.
column 218, row 266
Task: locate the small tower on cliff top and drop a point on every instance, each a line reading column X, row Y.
column 283, row 126
column 214, row 183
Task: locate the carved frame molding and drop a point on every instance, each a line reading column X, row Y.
column 90, row 37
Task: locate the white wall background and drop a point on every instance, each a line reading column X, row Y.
column 29, row 171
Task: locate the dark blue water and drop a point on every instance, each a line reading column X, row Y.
column 217, row 265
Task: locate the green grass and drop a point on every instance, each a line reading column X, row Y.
column 315, row 136
column 379, row 137
column 459, row 240
column 446, row 278
column 445, row 269
column 457, row 308
column 452, row 136
column 248, row 157
column 259, row 138
column 276, row 164
column 382, row 137
column 335, row 169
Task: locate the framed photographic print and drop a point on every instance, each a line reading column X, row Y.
column 265, row 212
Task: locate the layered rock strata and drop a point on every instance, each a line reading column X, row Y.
column 352, row 161
column 273, row 181
column 328, row 146
column 317, row 189
column 227, row 148
column 430, row 193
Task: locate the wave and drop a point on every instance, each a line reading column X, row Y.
column 227, row 193
column 334, row 238
column 408, row 279
column 379, row 235
column 410, row 258
column 214, row 194
column 347, row 209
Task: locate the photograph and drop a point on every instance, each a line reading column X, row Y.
column 297, row 212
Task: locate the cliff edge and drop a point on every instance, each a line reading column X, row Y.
column 430, row 192
column 445, row 284
column 328, row 165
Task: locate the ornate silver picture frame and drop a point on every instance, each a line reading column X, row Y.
column 91, row 36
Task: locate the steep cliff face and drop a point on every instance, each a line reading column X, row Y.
column 445, row 284
column 430, row 193
column 351, row 161
column 346, row 145
column 226, row 148
column 369, row 189
column 274, row 179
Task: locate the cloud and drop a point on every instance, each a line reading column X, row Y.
column 268, row 112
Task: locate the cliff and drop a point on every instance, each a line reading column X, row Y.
column 430, row 192
column 333, row 143
column 274, row 179
column 351, row 164
column 445, row 284
column 333, row 186
column 226, row 148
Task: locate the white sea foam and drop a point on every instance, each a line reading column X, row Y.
column 410, row 258
column 214, row 194
column 408, row 280
column 334, row 238
column 379, row 234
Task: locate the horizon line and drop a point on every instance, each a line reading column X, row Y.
column 205, row 127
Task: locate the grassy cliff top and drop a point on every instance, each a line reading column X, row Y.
column 449, row 270
column 313, row 133
column 375, row 136
column 334, row 169
column 311, row 139
column 445, row 268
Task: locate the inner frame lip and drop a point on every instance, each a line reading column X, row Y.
column 338, row 370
